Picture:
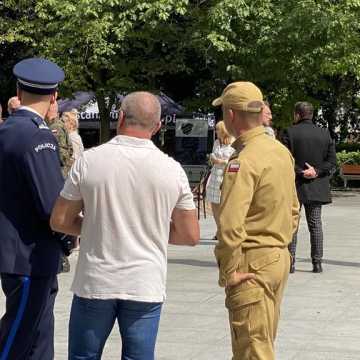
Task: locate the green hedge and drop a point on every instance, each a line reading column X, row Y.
column 343, row 157
column 348, row 147
column 351, row 158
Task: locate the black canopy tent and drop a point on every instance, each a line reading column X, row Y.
column 85, row 103
column 188, row 148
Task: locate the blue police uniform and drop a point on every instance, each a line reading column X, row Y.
column 30, row 182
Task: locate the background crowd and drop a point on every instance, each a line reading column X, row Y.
column 52, row 191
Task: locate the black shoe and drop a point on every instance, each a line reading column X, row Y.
column 317, row 268
column 292, row 268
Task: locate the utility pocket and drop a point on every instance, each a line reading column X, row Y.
column 263, row 261
column 248, row 320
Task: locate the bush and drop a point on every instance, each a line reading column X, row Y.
column 350, row 158
column 343, row 157
column 348, row 147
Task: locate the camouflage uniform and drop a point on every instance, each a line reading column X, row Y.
column 58, row 129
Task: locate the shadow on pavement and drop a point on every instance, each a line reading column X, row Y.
column 199, row 263
column 333, row 262
column 190, row 262
column 303, row 271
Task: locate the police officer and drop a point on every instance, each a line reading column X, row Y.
column 258, row 215
column 30, row 182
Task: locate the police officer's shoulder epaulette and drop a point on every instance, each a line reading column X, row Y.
column 43, row 125
column 36, row 120
column 40, row 123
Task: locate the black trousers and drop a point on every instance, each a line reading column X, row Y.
column 313, row 219
column 27, row 327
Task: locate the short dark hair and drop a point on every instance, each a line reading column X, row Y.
column 304, row 109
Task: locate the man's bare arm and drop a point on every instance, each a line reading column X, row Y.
column 65, row 217
column 184, row 228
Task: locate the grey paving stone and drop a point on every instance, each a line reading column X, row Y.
column 314, row 355
column 320, row 312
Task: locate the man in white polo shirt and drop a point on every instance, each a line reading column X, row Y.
column 136, row 200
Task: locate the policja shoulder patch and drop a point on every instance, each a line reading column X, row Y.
column 234, row 167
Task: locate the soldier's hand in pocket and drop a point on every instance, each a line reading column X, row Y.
column 239, row 277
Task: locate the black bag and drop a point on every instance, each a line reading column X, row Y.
column 67, row 242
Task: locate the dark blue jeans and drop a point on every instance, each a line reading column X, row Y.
column 92, row 320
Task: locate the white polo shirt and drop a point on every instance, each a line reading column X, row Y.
column 129, row 189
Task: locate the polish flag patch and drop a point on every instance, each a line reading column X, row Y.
column 234, row 167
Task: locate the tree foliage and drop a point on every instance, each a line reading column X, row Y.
column 294, row 50
column 103, row 46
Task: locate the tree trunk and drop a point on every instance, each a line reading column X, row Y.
column 104, row 112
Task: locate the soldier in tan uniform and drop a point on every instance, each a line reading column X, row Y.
column 258, row 215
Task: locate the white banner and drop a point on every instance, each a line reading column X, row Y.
column 191, row 128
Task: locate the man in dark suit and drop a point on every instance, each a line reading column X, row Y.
column 315, row 159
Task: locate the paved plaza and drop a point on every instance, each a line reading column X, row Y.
column 320, row 313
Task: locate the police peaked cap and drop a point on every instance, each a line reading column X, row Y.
column 38, row 76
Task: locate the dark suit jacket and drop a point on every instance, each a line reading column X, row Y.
column 311, row 144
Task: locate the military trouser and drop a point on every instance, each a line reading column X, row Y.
column 254, row 306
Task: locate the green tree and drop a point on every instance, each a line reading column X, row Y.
column 293, row 49
column 14, row 46
column 103, row 46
